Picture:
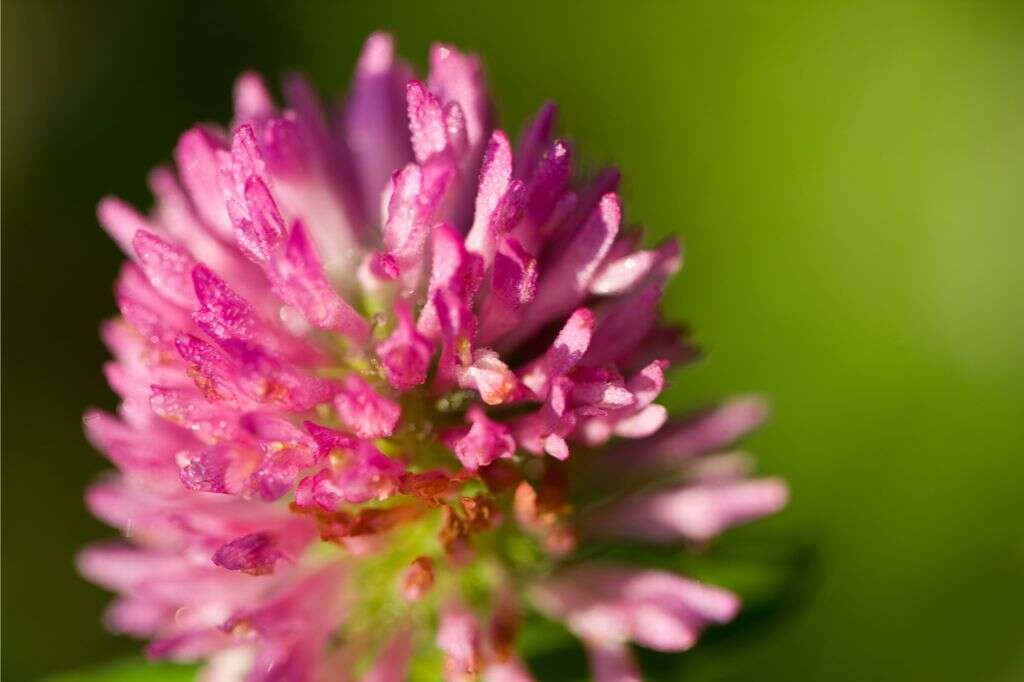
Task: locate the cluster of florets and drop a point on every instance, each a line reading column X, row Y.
column 381, row 378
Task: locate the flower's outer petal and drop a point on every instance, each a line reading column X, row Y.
column 642, row 424
column 121, row 222
column 548, row 184
column 328, row 439
column 196, row 158
column 252, row 100
column 534, row 140
column 376, row 128
column 168, row 267
column 693, row 512
column 458, row 78
column 157, row 319
column 657, row 609
column 515, row 274
column 625, row 321
column 699, row 434
column 513, row 286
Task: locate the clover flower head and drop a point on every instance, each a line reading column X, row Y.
column 382, row 375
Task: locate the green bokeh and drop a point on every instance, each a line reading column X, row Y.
column 847, row 179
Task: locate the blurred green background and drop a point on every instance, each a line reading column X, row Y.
column 847, row 178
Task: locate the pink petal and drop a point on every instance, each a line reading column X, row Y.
column 252, row 99
column 564, row 284
column 695, row 512
column 702, row 433
column 568, row 349
column 486, row 441
column 515, row 274
column 255, row 554
column 259, row 232
column 548, row 183
column 367, row 413
column 534, row 139
column 642, row 424
column 121, row 222
column 155, row 317
column 375, row 118
column 458, row 636
column 623, row 325
column 329, row 439
column 489, row 376
column 457, row 77
column 611, row 662
column 298, row 278
column 189, row 409
column 495, row 176
column 416, row 193
column 453, row 270
column 426, row 122
column 196, row 158
column 406, row 354
column 222, row 313
column 168, row 267
column 221, row 468
column 364, row 474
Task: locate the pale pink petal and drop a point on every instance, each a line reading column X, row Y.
column 697, row 512
column 642, row 424
column 458, row 636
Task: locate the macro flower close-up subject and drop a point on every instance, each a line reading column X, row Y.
column 389, row 381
